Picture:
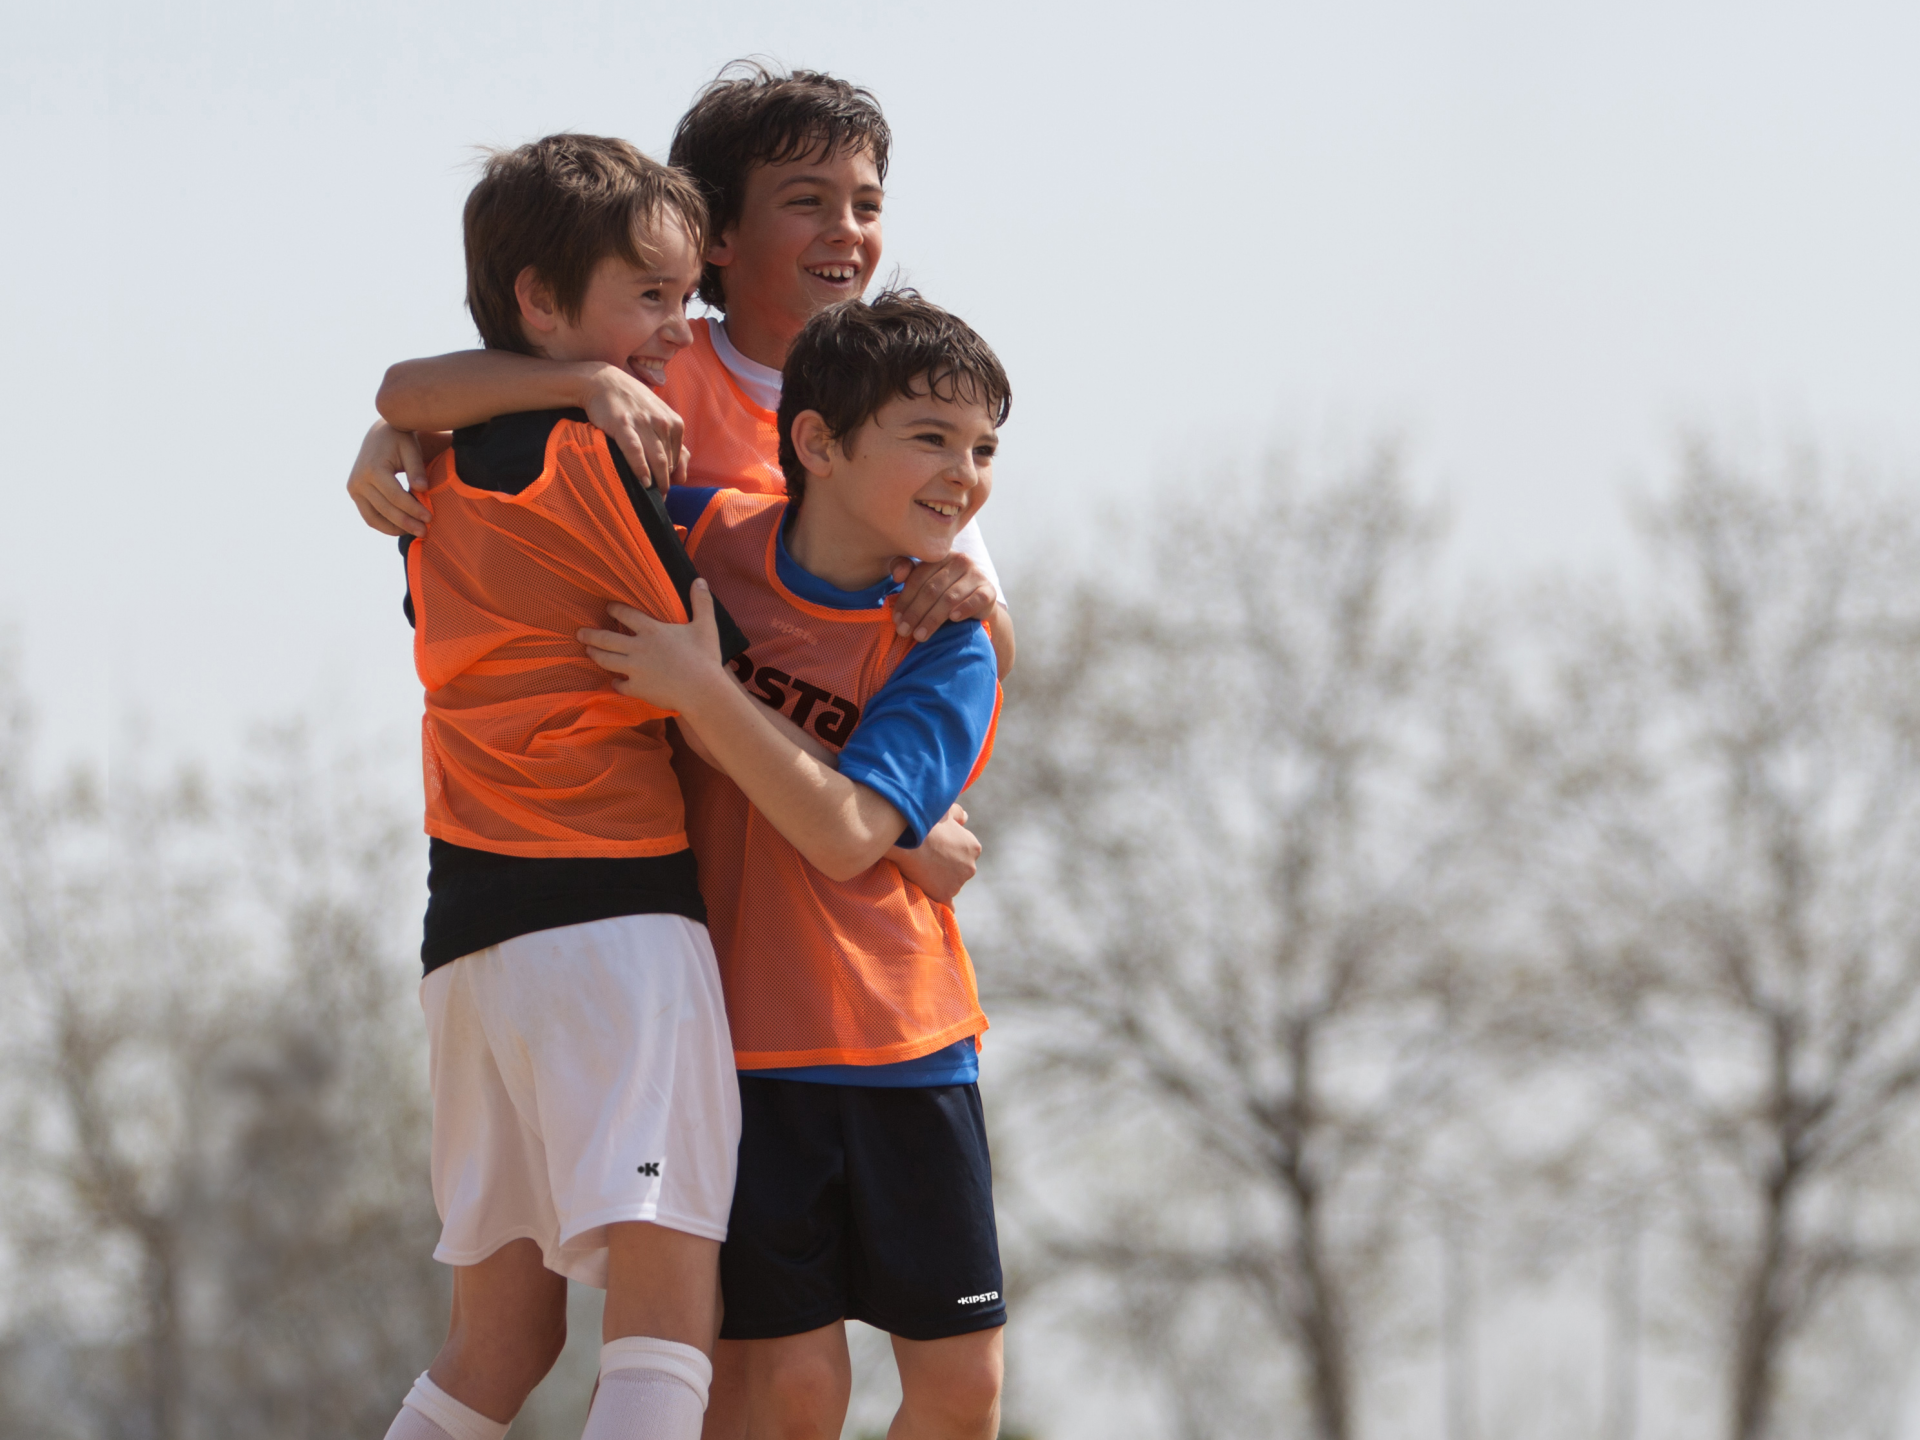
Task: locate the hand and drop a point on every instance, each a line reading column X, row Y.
column 945, row 861
column 384, row 503
column 643, row 425
column 955, row 588
column 665, row 665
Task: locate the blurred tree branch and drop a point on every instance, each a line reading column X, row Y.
column 1735, row 882
column 216, row 1118
column 1219, row 882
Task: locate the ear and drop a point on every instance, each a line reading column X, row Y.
column 720, row 252
column 538, row 312
column 812, row 443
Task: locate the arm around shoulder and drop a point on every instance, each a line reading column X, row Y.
column 444, row 392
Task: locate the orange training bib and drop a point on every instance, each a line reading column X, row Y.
column 734, row 444
column 862, row 972
column 526, row 748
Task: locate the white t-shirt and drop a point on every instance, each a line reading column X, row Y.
column 762, row 384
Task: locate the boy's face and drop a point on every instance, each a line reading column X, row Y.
column 808, row 235
column 906, row 482
column 632, row 316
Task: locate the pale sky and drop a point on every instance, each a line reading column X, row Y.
column 1534, row 241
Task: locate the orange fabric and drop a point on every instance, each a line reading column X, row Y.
column 526, row 747
column 862, row 972
column 734, row 444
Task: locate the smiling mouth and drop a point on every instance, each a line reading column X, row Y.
column 834, row 274
column 648, row 371
column 943, row 509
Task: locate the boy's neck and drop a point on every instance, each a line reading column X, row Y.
column 824, row 545
column 760, row 338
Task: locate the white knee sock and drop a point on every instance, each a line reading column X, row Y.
column 649, row 1390
column 429, row 1413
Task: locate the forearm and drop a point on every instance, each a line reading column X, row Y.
column 819, row 751
column 1000, row 632
column 842, row 828
column 444, row 392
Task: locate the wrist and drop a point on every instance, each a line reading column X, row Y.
column 708, row 692
column 589, row 380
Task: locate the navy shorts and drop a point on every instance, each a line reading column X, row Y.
column 857, row 1203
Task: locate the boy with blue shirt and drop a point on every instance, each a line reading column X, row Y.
column 865, row 1189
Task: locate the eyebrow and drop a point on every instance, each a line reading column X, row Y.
column 947, row 425
column 792, row 180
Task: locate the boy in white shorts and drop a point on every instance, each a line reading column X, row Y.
column 585, row 1109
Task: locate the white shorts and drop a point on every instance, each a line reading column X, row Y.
column 581, row 1076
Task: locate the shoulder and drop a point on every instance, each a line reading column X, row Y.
column 956, row 662
column 922, row 736
column 509, row 452
column 958, row 642
column 716, row 507
column 687, row 503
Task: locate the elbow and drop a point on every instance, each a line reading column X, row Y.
column 396, row 397
column 856, row 839
column 842, row 866
column 841, row 863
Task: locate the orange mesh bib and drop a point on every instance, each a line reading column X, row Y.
column 734, row 444
column 817, row 972
column 526, row 747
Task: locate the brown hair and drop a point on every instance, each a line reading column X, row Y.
column 854, row 357
column 562, row 205
column 751, row 115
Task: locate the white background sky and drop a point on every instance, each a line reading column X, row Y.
column 1531, row 239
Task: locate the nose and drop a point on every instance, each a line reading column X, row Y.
column 967, row 472
column 845, row 226
column 678, row 331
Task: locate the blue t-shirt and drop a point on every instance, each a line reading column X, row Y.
column 915, row 746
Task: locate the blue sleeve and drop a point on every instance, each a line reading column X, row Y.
column 687, row 503
column 919, row 737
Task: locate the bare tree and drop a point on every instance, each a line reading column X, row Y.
column 1218, row 882
column 216, row 1128
column 1292, row 915
column 1732, row 868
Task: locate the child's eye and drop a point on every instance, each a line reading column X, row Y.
column 651, row 295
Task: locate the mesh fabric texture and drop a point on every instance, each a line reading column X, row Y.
column 526, row 748
column 865, row 971
column 734, row 444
